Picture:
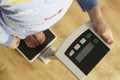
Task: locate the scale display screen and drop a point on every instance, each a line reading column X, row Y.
column 81, row 55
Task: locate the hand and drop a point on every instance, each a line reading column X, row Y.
column 31, row 41
column 100, row 25
column 103, row 30
column 15, row 43
column 35, row 40
column 40, row 37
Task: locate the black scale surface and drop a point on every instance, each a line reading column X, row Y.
column 30, row 53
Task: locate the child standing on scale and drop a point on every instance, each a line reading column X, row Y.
column 26, row 19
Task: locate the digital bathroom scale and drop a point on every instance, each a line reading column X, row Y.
column 82, row 50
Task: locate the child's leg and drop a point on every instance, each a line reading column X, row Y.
column 35, row 40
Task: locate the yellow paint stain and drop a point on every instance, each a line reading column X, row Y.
column 15, row 2
column 11, row 25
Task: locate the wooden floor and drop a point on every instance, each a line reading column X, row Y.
column 13, row 66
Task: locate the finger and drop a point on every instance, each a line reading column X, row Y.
column 36, row 42
column 40, row 37
column 18, row 42
column 110, row 40
column 107, row 37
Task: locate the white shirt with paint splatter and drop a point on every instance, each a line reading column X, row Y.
column 26, row 17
